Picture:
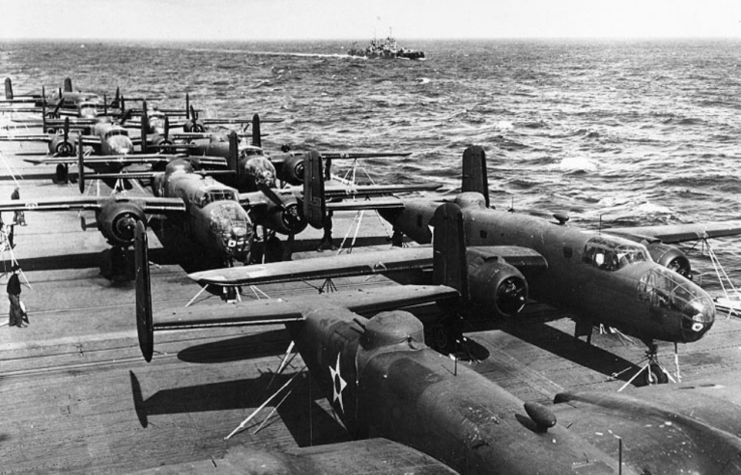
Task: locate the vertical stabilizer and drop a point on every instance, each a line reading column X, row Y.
column 80, row 164
column 144, row 325
column 474, row 172
column 449, row 258
column 315, row 206
column 232, row 161
column 8, row 88
column 256, row 133
column 144, row 126
column 67, row 85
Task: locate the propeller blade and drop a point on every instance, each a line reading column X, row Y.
column 271, row 195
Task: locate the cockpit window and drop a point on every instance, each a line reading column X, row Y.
column 666, row 289
column 221, row 195
column 210, row 196
column 228, row 217
column 116, row 131
column 611, row 254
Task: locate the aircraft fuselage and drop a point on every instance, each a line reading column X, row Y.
column 585, row 274
column 214, row 218
column 384, row 382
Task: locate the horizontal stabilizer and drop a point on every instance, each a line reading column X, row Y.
column 269, row 311
column 360, row 263
column 254, row 312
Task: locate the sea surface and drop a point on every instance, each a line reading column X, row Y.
column 619, row 131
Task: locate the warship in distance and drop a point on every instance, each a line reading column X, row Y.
column 387, row 48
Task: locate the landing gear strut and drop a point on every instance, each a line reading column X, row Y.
column 652, row 371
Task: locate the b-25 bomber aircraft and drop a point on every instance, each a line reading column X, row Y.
column 204, row 210
column 382, row 381
column 633, row 280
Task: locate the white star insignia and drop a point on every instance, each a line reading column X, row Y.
column 338, row 384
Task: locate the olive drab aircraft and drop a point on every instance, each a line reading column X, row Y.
column 278, row 211
column 631, row 279
column 203, row 209
column 383, row 381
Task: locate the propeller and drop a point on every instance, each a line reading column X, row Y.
column 290, row 215
column 512, row 295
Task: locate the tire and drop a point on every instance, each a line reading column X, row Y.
column 655, row 375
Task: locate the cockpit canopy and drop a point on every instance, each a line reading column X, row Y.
column 612, row 253
column 230, row 217
column 204, row 197
column 88, row 109
column 116, row 131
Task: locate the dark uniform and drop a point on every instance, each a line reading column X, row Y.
column 14, row 294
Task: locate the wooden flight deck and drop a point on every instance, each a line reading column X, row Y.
column 78, row 397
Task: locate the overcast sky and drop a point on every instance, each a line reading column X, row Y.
column 364, row 19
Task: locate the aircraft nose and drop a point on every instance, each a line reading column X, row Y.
column 698, row 316
column 686, row 311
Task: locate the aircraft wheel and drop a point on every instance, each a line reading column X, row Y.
column 655, row 375
column 441, row 339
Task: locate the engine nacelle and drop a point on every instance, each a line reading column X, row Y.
column 292, row 170
column 195, row 126
column 288, row 220
column 498, row 288
column 117, row 222
column 671, row 258
column 61, row 147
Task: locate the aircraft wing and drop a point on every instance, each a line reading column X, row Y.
column 333, row 190
column 26, row 138
column 675, row 233
column 149, row 204
column 276, row 311
column 372, row 455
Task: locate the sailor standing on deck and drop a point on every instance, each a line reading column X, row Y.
column 14, row 294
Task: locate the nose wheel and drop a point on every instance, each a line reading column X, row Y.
column 651, row 372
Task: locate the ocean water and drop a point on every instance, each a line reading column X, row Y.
column 626, row 132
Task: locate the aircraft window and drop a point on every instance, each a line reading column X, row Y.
column 114, row 132
column 221, row 195
column 88, row 110
column 228, row 215
column 483, row 234
column 663, row 288
column 611, row 254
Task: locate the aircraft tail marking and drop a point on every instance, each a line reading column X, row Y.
column 474, row 171
column 449, row 246
column 144, row 324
